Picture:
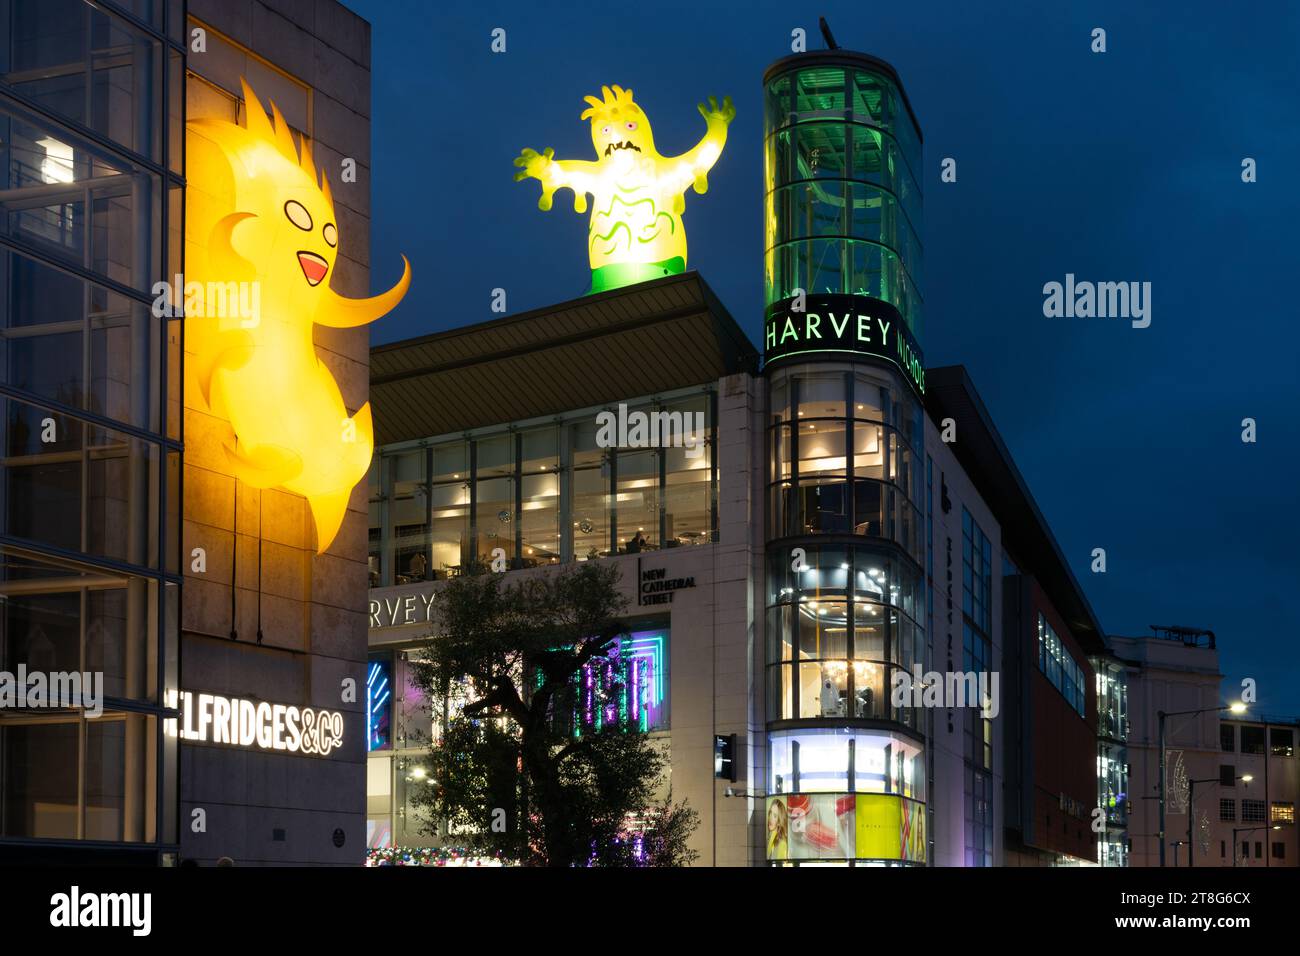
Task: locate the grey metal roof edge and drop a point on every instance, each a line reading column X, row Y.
column 691, row 276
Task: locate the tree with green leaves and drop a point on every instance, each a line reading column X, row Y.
column 513, row 770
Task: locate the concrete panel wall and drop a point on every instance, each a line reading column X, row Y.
column 313, row 58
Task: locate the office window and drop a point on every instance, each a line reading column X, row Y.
column 375, row 502
column 591, row 497
column 1252, row 740
column 1245, row 850
column 449, row 507
column 979, row 818
column 1282, row 812
column 1252, row 811
column 1279, row 850
column 687, row 493
column 1259, row 849
column 1223, row 849
column 1281, row 742
column 408, row 508
column 539, row 508
column 494, row 507
column 1227, row 775
column 1228, row 811
column 1064, row 672
column 638, row 501
column 1227, row 738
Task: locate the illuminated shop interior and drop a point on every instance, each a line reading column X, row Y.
column 542, row 492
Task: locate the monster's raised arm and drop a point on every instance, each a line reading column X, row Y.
column 576, row 174
column 692, row 167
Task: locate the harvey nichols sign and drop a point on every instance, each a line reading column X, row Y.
column 831, row 323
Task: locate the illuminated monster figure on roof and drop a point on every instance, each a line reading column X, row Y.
column 638, row 196
column 259, row 217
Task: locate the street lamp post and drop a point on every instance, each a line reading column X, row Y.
column 1161, row 715
column 1236, row 830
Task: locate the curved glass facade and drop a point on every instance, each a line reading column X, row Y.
column 842, row 156
column 845, row 611
column 846, row 479
column 846, row 455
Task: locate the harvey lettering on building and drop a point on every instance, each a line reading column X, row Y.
column 400, row 606
column 830, row 322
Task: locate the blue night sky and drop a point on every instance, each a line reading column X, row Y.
column 1123, row 166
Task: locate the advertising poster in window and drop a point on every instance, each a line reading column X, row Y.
column 811, row 826
column 890, row 828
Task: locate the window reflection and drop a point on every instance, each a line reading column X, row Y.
column 539, row 518
column 543, row 495
column 410, row 516
column 637, row 501
column 824, row 663
column 844, row 761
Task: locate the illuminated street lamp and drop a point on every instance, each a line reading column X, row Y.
column 1236, row 830
column 1236, row 708
column 1191, row 806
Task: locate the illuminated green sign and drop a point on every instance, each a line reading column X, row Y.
column 856, row 324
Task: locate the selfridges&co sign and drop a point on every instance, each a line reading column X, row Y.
column 234, row 722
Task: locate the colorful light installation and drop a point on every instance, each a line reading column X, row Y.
column 628, row 686
column 378, row 694
column 262, row 228
column 636, row 231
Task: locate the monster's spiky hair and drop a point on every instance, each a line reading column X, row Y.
column 276, row 132
column 619, row 97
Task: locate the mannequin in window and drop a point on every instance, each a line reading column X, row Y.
column 830, row 698
column 417, row 566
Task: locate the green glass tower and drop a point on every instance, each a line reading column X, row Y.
column 845, row 534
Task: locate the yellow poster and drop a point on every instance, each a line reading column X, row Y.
column 890, row 828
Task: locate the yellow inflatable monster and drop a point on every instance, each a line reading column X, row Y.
column 636, row 230
column 263, row 220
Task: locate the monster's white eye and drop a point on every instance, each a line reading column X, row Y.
column 631, row 125
column 331, row 234
column 298, row 214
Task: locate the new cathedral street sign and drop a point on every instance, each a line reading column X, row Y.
column 655, row 587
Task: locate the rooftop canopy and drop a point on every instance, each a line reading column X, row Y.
column 635, row 341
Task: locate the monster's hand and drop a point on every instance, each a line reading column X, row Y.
column 715, row 116
column 538, row 166
column 553, row 174
column 718, row 119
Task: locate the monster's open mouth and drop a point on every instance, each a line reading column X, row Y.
column 628, row 145
column 313, row 267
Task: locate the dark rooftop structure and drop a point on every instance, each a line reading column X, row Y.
column 639, row 340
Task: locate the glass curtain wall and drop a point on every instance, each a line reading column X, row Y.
column 542, row 493
column 91, row 145
column 842, row 159
column 845, row 536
